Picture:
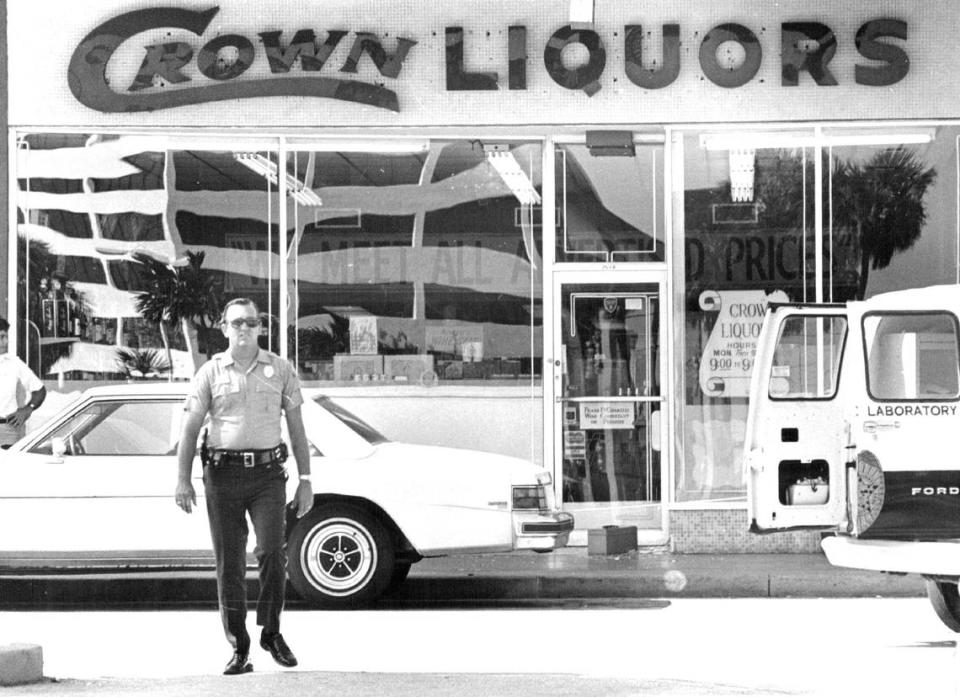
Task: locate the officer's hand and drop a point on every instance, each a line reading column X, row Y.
column 20, row 417
column 186, row 497
column 304, row 498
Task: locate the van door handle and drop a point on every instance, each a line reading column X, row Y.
column 874, row 426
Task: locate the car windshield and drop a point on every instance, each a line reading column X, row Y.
column 354, row 422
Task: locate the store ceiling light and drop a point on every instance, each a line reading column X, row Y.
column 513, row 176
column 741, row 174
column 785, row 140
column 840, row 137
column 392, row 146
column 267, row 168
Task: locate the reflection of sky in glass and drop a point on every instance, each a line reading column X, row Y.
column 933, row 257
column 396, row 233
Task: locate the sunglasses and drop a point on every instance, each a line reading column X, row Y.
column 251, row 322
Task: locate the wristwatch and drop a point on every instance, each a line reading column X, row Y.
column 305, row 477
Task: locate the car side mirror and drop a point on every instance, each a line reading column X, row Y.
column 58, row 446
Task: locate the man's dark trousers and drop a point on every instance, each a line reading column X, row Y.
column 231, row 492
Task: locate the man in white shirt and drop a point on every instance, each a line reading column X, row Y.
column 16, row 381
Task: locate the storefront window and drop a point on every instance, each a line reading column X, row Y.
column 889, row 222
column 890, row 211
column 409, row 266
column 749, row 224
column 417, row 263
column 127, row 246
column 609, row 208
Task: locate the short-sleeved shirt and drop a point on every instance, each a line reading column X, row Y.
column 244, row 407
column 17, row 381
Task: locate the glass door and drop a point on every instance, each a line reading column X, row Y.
column 609, row 402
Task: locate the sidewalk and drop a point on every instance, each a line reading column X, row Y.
column 566, row 573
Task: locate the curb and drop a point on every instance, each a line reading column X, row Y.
column 672, row 584
column 678, row 580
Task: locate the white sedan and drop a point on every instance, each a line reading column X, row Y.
column 93, row 488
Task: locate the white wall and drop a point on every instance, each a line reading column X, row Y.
column 39, row 94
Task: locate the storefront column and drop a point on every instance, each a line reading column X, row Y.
column 818, row 214
column 282, row 249
column 548, row 255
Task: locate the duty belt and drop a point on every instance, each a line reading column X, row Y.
column 249, row 458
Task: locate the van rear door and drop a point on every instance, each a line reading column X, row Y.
column 906, row 429
column 797, row 433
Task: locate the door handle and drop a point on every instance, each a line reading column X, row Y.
column 874, row 426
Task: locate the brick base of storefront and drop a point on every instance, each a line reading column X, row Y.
column 727, row 532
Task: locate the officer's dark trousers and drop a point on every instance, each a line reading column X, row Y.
column 231, row 492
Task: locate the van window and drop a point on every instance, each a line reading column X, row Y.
column 806, row 361
column 912, row 356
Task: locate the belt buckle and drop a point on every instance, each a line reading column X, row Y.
column 248, row 460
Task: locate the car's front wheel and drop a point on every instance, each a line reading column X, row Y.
column 340, row 556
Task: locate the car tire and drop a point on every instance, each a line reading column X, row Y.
column 945, row 598
column 339, row 557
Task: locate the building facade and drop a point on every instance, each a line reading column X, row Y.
column 545, row 229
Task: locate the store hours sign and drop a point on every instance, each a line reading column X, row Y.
column 728, row 356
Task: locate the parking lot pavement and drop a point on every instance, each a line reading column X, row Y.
column 555, row 651
column 367, row 684
column 148, row 651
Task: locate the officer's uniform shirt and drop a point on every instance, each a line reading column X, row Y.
column 17, row 381
column 244, row 407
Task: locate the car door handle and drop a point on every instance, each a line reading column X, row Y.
column 874, row 426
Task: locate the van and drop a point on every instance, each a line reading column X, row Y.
column 854, row 428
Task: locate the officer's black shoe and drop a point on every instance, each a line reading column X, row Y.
column 239, row 664
column 278, row 648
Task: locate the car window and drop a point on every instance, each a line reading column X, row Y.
column 912, row 356
column 806, row 359
column 120, row 428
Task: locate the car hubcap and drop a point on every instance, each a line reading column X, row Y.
column 339, row 557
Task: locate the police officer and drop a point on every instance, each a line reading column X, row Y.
column 244, row 390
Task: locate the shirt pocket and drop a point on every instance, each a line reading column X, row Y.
column 267, row 396
column 226, row 396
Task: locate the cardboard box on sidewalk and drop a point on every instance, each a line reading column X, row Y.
column 612, row 539
column 20, row 664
